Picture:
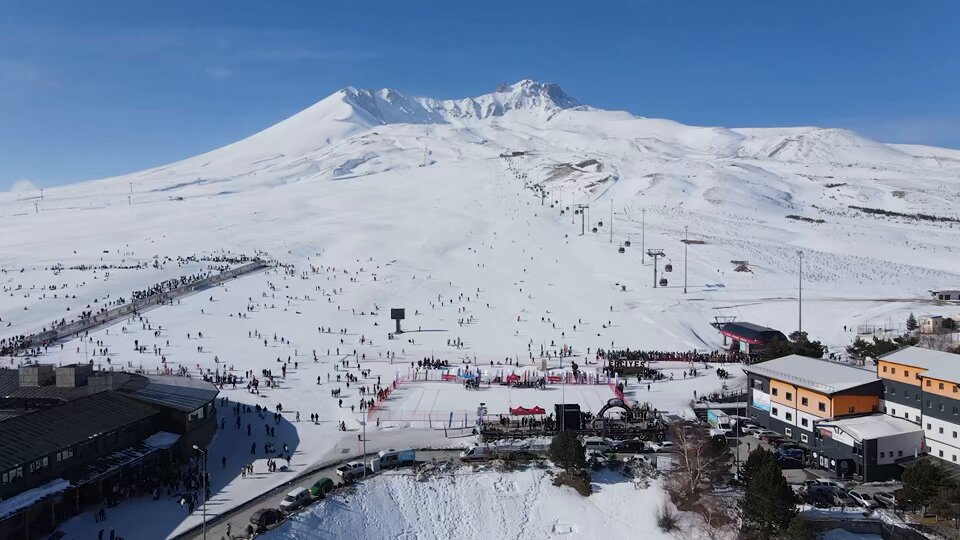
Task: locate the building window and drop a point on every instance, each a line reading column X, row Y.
column 804, row 401
column 929, row 426
column 916, row 418
column 954, row 434
column 893, row 391
column 893, row 371
column 941, row 386
column 941, row 430
column 773, row 391
column 64, row 455
column 954, row 457
column 941, row 453
column 906, row 393
column 941, row 406
column 882, row 454
column 954, row 410
column 803, row 437
column 821, row 406
column 39, row 465
column 929, row 405
column 899, row 453
column 774, row 411
column 789, row 417
column 787, row 432
column 803, row 422
column 929, row 382
column 892, row 411
column 884, row 369
column 790, row 396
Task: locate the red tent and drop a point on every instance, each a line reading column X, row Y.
column 522, row 411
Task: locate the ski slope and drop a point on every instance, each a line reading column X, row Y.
column 377, row 200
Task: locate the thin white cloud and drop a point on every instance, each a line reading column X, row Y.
column 219, row 73
column 23, row 185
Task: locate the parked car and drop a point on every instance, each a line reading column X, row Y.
column 862, row 499
column 770, row 437
column 630, row 446
column 665, row 446
column 751, row 429
column 600, row 444
column 841, row 498
column 265, row 518
column 322, row 486
column 295, row 499
column 886, row 499
column 351, row 470
column 760, row 433
column 831, row 483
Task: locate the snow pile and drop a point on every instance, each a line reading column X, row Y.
column 470, row 504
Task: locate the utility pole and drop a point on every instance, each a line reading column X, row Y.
column 583, row 218
column 131, row 186
column 800, row 295
column 656, row 254
column 643, row 234
column 203, row 474
column 686, row 244
column 36, row 207
column 41, row 194
column 129, row 202
column 364, row 424
column 611, row 221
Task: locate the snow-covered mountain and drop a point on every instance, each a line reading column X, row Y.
column 370, row 171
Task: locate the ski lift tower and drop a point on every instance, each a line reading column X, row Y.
column 656, row 254
column 583, row 218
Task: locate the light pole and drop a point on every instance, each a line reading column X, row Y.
column 363, row 424
column 800, row 295
column 203, row 474
column 611, row 221
column 686, row 243
column 643, row 234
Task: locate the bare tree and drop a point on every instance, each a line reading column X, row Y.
column 699, row 462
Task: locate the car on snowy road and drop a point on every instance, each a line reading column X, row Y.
column 321, row 487
column 351, row 470
column 295, row 499
column 265, row 518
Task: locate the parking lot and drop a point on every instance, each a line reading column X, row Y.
column 799, row 477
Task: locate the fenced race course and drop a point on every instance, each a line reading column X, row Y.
column 448, row 404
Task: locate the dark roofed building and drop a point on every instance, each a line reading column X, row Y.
column 75, row 436
column 27, row 440
column 748, row 337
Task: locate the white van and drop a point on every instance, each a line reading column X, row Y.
column 295, row 499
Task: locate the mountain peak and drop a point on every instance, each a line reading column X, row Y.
column 389, row 106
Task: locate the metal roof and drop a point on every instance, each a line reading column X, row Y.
column 938, row 364
column 751, row 332
column 31, row 436
column 873, row 426
column 9, row 381
column 49, row 391
column 813, row 373
column 181, row 393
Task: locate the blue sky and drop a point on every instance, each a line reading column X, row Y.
column 92, row 89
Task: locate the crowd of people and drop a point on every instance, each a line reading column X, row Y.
column 714, row 357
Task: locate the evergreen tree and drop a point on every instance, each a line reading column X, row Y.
column 922, row 482
column 768, row 506
column 567, row 451
column 912, row 323
column 757, row 459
